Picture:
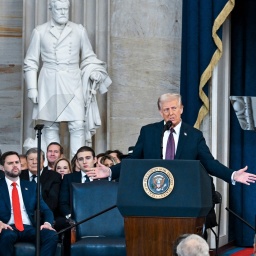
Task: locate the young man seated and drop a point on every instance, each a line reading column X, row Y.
column 86, row 159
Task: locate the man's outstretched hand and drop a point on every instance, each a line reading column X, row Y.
column 99, row 172
column 244, row 177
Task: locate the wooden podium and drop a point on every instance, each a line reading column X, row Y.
column 153, row 219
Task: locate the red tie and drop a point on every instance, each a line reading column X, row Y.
column 16, row 208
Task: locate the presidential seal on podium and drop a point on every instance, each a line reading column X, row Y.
column 158, row 182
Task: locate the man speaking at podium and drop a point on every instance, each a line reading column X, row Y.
column 174, row 139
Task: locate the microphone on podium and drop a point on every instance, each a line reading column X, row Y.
column 167, row 126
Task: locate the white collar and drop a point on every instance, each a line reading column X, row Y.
column 9, row 182
column 177, row 127
column 31, row 174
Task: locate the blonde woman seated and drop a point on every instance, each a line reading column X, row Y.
column 108, row 160
column 62, row 166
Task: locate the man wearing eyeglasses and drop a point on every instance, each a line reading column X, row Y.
column 188, row 143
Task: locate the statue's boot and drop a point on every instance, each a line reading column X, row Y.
column 50, row 134
column 77, row 136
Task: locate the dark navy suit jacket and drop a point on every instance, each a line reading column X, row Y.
column 65, row 197
column 191, row 146
column 50, row 181
column 29, row 194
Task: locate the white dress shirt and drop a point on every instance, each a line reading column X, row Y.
column 31, row 176
column 25, row 218
column 176, row 135
column 84, row 177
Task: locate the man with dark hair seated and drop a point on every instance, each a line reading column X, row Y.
column 54, row 152
column 86, row 159
column 18, row 202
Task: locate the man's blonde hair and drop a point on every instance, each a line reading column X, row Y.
column 168, row 97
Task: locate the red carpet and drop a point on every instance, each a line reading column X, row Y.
column 238, row 251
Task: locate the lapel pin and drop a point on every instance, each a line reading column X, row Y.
column 185, row 133
column 26, row 188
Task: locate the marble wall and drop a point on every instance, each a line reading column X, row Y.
column 145, row 51
column 10, row 75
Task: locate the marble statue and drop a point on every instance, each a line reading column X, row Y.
column 70, row 76
column 245, row 109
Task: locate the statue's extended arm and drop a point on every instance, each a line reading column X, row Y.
column 31, row 80
column 92, row 68
column 89, row 58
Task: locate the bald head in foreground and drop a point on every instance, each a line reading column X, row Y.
column 193, row 245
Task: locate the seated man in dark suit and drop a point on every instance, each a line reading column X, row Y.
column 49, row 180
column 86, row 159
column 50, row 188
column 188, row 143
column 18, row 202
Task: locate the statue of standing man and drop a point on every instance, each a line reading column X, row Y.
column 69, row 78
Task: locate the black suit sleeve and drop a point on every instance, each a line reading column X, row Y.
column 213, row 166
column 46, row 212
column 138, row 149
column 51, row 189
column 64, row 198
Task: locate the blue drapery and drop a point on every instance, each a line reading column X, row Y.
column 243, row 143
column 201, row 50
